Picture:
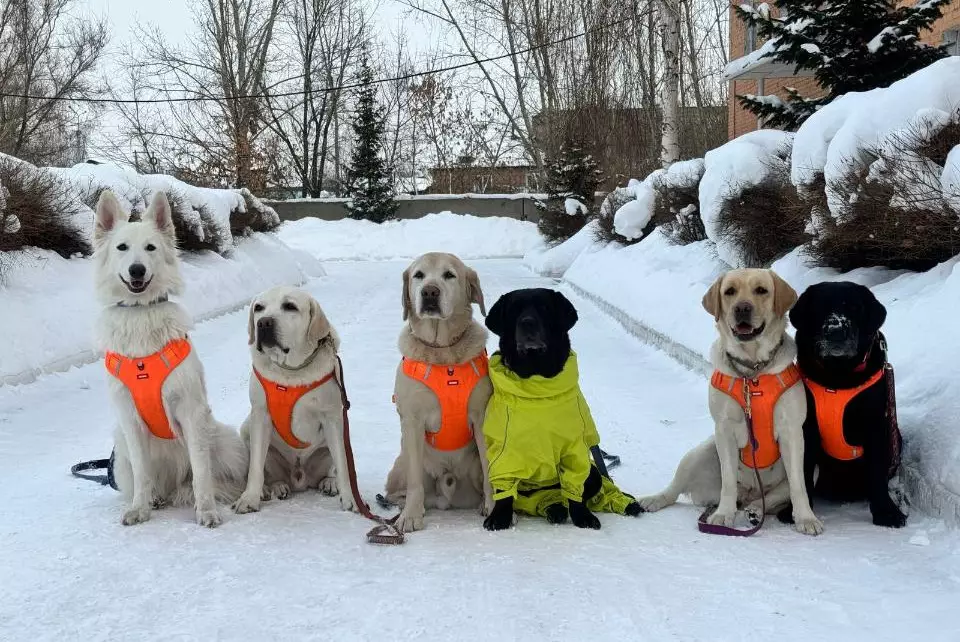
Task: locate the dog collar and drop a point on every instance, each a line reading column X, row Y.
column 307, row 362
column 753, row 368
column 163, row 298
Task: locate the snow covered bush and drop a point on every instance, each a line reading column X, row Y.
column 572, row 181
column 255, row 216
column 39, row 210
column 612, row 202
column 750, row 208
column 667, row 199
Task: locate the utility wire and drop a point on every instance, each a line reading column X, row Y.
column 318, row 90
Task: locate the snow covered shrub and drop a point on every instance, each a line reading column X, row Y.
column 605, row 232
column 39, row 210
column 196, row 227
column 749, row 206
column 572, row 181
column 897, row 207
column 255, row 216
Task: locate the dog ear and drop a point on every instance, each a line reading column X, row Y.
column 405, row 295
column 799, row 313
column 159, row 213
column 109, row 215
column 784, row 296
column 876, row 312
column 711, row 300
column 251, row 335
column 319, row 327
column 495, row 318
column 565, row 310
column 475, row 291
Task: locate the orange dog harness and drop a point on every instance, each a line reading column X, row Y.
column 280, row 403
column 144, row 377
column 453, row 386
column 758, row 398
column 830, row 405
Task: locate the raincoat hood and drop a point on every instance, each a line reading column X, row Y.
column 506, row 381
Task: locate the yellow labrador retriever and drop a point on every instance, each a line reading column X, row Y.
column 750, row 308
column 295, row 427
column 442, row 462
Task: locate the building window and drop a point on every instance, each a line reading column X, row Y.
column 750, row 38
column 951, row 42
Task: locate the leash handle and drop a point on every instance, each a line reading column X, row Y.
column 385, row 532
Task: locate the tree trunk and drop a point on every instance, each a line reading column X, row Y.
column 670, row 132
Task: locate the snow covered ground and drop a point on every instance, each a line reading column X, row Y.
column 301, row 569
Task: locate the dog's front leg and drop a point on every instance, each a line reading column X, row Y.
column 260, row 427
column 487, row 506
column 142, row 472
column 411, row 517
column 334, row 438
column 791, row 449
column 883, row 509
column 196, row 422
column 727, row 450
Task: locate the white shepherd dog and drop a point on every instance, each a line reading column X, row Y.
column 169, row 448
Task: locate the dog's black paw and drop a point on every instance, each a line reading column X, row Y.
column 633, row 509
column 888, row 515
column 581, row 516
column 501, row 517
column 557, row 513
column 786, row 514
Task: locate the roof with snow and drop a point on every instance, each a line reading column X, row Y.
column 759, row 64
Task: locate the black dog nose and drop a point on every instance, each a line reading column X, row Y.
column 266, row 323
column 743, row 311
column 430, row 292
column 138, row 271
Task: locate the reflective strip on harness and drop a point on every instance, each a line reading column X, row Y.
column 830, row 405
column 453, row 385
column 281, row 401
column 144, row 377
column 764, row 391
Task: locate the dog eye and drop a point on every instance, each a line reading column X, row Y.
column 258, row 308
column 418, row 274
column 289, row 307
column 150, row 247
column 730, row 291
column 761, row 290
column 123, row 247
column 449, row 275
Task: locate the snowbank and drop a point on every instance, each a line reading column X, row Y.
column 655, row 290
column 469, row 237
column 729, row 169
column 632, row 217
column 49, row 309
column 555, row 261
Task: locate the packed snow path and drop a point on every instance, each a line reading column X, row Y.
column 301, row 569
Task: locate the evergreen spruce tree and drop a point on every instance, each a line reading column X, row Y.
column 572, row 181
column 850, row 45
column 369, row 178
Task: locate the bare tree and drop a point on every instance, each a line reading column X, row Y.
column 670, row 138
column 45, row 51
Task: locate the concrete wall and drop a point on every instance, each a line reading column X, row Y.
column 522, row 209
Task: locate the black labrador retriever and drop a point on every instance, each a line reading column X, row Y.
column 850, row 438
column 533, row 326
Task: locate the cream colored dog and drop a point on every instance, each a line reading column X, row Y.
column 438, row 293
column 293, row 345
column 750, row 308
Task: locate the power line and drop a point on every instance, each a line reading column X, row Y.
column 319, row 90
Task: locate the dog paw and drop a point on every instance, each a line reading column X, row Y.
column 653, row 503
column 136, row 515
column 557, row 513
column 280, row 490
column 889, row 516
column 328, row 486
column 581, row 516
column 248, row 503
column 410, row 521
column 347, row 503
column 209, row 517
column 722, row 519
column 809, row 525
column 633, row 509
column 486, row 507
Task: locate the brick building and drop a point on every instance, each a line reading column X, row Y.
column 747, row 77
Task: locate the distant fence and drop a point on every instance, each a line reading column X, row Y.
column 518, row 206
